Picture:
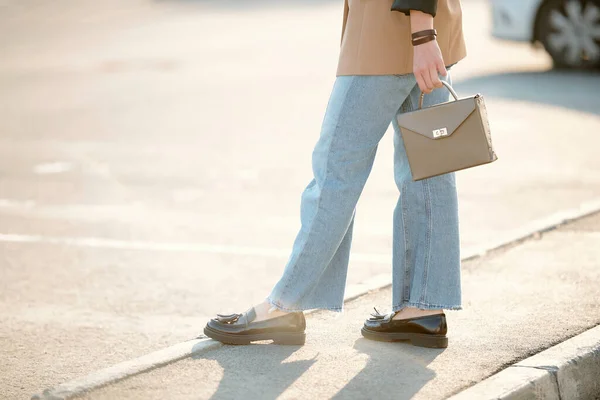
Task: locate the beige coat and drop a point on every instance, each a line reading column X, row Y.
column 377, row 41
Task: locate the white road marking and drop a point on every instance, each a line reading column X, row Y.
column 104, row 243
column 523, row 232
column 53, row 167
column 10, row 203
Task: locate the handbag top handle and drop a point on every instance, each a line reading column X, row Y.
column 452, row 92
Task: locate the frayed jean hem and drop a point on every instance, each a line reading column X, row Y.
column 281, row 307
column 426, row 306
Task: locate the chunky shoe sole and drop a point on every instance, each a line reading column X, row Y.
column 417, row 339
column 285, row 338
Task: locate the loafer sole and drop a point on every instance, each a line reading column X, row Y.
column 285, row 338
column 417, row 339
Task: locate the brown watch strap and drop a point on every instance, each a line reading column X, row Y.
column 423, row 40
column 426, row 32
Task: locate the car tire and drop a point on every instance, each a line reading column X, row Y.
column 570, row 32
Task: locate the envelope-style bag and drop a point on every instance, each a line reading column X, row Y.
column 447, row 137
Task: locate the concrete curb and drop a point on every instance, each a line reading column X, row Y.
column 534, row 229
column 128, row 368
column 179, row 351
column 569, row 370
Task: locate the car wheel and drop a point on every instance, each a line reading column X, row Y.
column 570, row 32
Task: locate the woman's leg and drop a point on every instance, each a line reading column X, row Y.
column 426, row 254
column 358, row 114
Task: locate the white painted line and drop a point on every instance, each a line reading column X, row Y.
column 569, row 370
column 182, row 350
column 23, row 204
column 129, row 368
column 517, row 235
column 104, row 243
column 53, row 167
column 140, row 245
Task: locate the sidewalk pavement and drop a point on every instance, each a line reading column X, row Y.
column 517, row 302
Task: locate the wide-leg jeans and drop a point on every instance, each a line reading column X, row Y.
column 425, row 256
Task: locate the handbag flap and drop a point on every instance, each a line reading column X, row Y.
column 439, row 121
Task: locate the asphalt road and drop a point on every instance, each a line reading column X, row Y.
column 152, row 157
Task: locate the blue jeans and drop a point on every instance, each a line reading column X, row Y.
column 425, row 259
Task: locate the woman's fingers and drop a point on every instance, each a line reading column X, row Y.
column 423, row 76
column 435, row 79
column 442, row 69
column 429, row 81
column 427, row 64
column 421, row 83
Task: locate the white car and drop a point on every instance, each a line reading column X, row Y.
column 568, row 29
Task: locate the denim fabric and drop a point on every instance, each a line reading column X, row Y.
column 425, row 259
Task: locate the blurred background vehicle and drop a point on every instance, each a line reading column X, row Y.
column 569, row 30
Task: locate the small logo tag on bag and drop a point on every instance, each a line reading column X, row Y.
column 440, row 132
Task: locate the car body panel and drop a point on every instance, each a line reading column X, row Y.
column 514, row 19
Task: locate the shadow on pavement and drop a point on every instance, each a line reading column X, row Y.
column 578, row 91
column 387, row 369
column 256, row 371
column 259, row 370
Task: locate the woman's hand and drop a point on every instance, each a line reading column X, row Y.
column 427, row 57
column 427, row 63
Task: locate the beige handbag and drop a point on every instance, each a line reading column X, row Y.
column 447, row 137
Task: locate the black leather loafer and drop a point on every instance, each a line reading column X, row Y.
column 240, row 328
column 429, row 331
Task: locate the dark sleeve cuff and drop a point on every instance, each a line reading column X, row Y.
column 426, row 6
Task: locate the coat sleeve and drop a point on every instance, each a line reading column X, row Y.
column 426, row 6
column 346, row 9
